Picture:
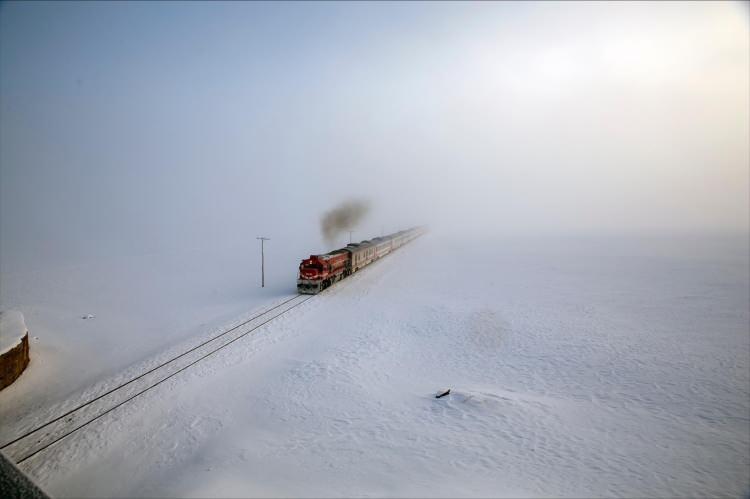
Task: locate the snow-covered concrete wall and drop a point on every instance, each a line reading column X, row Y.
column 14, row 346
column 15, row 484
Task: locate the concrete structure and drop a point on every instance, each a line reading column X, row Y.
column 14, row 346
column 14, row 484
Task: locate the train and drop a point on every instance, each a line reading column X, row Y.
column 322, row 271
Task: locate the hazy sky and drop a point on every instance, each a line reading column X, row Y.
column 141, row 124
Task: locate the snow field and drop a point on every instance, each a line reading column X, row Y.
column 145, row 307
column 575, row 371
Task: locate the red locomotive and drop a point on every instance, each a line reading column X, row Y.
column 321, row 271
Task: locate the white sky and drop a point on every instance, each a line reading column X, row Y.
column 138, row 124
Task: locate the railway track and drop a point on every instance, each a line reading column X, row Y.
column 36, row 440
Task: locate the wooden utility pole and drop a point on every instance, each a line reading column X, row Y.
column 262, row 262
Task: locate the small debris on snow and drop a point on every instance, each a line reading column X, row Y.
column 443, row 394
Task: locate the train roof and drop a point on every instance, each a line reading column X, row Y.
column 366, row 243
column 330, row 254
column 374, row 241
column 358, row 246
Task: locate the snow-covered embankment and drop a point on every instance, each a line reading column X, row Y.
column 14, row 346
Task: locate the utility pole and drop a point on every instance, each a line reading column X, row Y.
column 262, row 262
column 350, row 236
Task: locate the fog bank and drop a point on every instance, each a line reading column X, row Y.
column 134, row 127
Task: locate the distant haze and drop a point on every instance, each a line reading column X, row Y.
column 129, row 126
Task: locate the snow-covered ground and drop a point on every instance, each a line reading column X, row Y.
column 578, row 367
column 142, row 304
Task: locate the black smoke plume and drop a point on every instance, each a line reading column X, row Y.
column 342, row 218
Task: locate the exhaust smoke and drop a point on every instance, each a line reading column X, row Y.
column 342, row 218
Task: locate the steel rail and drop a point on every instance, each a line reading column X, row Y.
column 37, row 451
column 120, row 386
column 112, row 390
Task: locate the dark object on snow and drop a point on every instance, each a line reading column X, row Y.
column 439, row 395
